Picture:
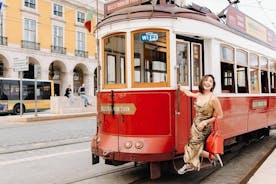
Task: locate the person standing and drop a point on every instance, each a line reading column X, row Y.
column 83, row 95
column 208, row 108
column 68, row 93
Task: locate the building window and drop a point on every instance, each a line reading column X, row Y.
column 80, row 41
column 80, row 17
column 58, row 36
column 242, row 71
column 80, row 51
column 227, row 69
column 30, row 3
column 30, row 30
column 114, row 60
column 254, row 73
column 58, row 10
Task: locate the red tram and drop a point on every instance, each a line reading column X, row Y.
column 146, row 50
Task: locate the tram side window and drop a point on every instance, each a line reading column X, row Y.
column 242, row 71
column 254, row 73
column 273, row 76
column 150, row 56
column 264, row 74
column 114, row 60
column 196, row 64
column 182, row 57
column 227, row 70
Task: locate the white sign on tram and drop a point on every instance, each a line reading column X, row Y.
column 21, row 64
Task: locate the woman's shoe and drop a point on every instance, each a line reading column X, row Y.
column 185, row 169
column 219, row 159
column 215, row 160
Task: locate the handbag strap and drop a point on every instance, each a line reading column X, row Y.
column 216, row 124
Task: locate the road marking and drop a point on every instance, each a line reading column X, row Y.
column 41, row 157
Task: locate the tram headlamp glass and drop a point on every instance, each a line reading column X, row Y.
column 128, row 144
column 98, row 139
column 139, row 145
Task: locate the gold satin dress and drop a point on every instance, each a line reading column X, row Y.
column 197, row 138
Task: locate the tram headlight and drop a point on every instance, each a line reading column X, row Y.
column 98, row 139
column 139, row 145
column 128, row 144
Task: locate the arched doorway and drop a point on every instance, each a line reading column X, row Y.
column 4, row 65
column 56, row 73
column 79, row 74
column 77, row 79
column 31, row 73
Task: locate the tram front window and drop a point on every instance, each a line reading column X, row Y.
column 114, row 60
column 150, row 56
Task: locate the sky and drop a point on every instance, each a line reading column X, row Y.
column 264, row 11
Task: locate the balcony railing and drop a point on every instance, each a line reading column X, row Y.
column 81, row 53
column 30, row 45
column 57, row 49
column 3, row 40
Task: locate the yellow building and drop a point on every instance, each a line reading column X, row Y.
column 51, row 35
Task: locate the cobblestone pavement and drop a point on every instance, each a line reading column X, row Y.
column 20, row 136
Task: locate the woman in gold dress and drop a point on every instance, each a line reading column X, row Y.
column 208, row 108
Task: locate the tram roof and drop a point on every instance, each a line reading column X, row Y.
column 146, row 11
column 159, row 11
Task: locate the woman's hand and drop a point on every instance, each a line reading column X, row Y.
column 201, row 125
column 187, row 92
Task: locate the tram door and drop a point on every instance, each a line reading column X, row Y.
column 189, row 57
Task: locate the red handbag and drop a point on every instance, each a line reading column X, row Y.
column 214, row 142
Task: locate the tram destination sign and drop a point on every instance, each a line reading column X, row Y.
column 120, row 4
column 127, row 108
column 21, row 64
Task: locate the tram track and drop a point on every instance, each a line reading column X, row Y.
column 41, row 145
column 110, row 172
column 229, row 158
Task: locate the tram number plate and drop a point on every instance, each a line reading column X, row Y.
column 259, row 104
column 127, row 108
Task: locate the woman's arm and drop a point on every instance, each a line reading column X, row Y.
column 188, row 93
column 217, row 106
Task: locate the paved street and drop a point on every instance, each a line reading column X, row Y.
column 58, row 151
column 21, row 136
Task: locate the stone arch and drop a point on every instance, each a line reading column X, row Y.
column 80, row 76
column 4, row 66
column 31, row 73
column 57, row 70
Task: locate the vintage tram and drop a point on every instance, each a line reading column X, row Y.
column 147, row 49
